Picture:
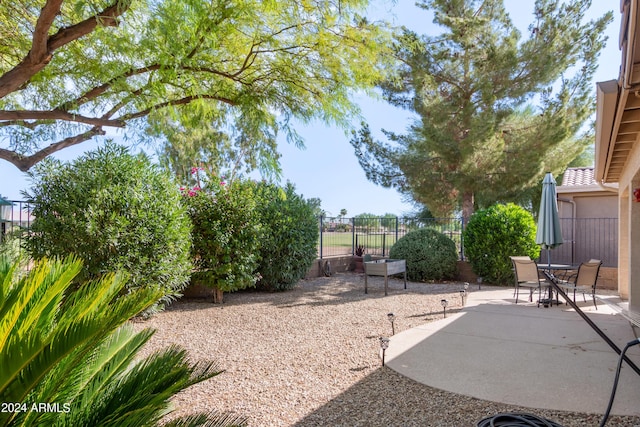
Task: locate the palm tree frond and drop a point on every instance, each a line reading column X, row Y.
column 211, row 419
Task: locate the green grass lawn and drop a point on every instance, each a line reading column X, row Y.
column 341, row 243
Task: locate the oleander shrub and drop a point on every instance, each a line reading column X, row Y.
column 288, row 245
column 226, row 235
column 496, row 233
column 118, row 212
column 430, row 255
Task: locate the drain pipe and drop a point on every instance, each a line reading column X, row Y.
column 608, row 188
column 573, row 226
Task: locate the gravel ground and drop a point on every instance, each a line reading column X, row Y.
column 310, row 357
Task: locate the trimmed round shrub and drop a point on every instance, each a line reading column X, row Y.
column 116, row 211
column 493, row 235
column 289, row 240
column 226, row 235
column 430, row 255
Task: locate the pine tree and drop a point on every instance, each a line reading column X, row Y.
column 495, row 111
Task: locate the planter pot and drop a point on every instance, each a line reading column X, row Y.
column 358, row 264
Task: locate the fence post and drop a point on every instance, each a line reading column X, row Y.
column 384, row 242
column 353, row 236
column 462, row 238
column 397, row 220
column 320, row 236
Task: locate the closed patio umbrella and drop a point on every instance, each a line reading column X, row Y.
column 549, row 234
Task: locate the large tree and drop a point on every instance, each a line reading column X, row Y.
column 71, row 69
column 494, row 110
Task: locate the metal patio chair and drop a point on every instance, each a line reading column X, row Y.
column 525, row 258
column 583, row 281
column 527, row 276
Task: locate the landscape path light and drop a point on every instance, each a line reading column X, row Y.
column 6, row 212
column 5, row 209
column 463, row 293
column 444, row 304
column 384, row 345
column 392, row 318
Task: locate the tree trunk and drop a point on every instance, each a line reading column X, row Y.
column 217, row 296
column 467, row 205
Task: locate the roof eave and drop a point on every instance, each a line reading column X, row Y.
column 608, row 94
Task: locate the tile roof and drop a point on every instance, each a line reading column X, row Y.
column 578, row 177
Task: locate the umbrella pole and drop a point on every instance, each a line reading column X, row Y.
column 549, row 270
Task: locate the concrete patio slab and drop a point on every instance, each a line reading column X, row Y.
column 519, row 354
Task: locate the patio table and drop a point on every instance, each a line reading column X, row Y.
column 565, row 268
column 549, row 269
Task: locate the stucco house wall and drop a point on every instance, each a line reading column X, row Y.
column 589, row 219
column 617, row 150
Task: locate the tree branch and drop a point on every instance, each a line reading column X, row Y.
column 43, row 45
column 58, row 115
column 24, row 163
column 106, row 18
column 99, row 90
column 181, row 101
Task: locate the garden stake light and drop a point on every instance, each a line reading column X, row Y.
column 463, row 293
column 444, row 304
column 392, row 318
column 384, row 345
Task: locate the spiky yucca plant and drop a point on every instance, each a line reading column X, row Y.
column 70, row 352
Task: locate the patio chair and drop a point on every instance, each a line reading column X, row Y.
column 524, row 257
column 583, row 281
column 527, row 276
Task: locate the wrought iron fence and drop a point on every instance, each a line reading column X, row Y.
column 342, row 236
column 584, row 238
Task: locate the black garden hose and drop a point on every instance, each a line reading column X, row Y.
column 529, row 420
column 516, row 420
column 615, row 381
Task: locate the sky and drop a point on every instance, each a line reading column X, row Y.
column 328, row 169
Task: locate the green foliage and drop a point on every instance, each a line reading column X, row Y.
column 316, row 206
column 237, row 69
column 493, row 235
column 116, row 210
column 389, row 221
column 77, row 350
column 366, row 222
column 288, row 245
column 430, row 255
column 226, row 234
column 10, row 245
column 478, row 137
column 343, row 226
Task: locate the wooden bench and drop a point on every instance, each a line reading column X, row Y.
column 386, row 268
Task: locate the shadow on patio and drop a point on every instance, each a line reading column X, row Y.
column 522, row 355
